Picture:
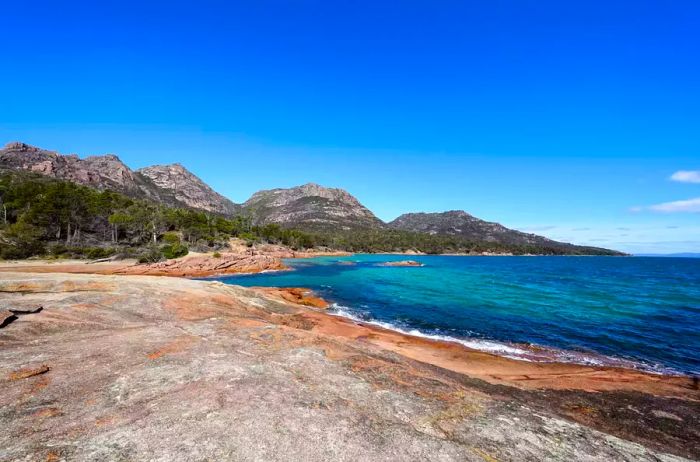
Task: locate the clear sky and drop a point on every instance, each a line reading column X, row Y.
column 564, row 118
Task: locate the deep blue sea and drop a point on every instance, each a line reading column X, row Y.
column 634, row 312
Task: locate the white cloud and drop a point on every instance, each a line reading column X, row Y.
column 686, row 176
column 688, row 206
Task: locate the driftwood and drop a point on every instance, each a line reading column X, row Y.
column 100, row 260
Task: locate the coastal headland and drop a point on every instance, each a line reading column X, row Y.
column 121, row 364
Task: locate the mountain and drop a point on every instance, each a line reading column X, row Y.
column 171, row 185
column 102, row 172
column 311, row 207
column 460, row 223
column 189, row 189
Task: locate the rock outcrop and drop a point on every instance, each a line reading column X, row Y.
column 150, row 368
column 207, row 265
column 106, row 172
column 310, row 206
column 189, row 189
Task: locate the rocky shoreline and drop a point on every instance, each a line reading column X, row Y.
column 112, row 351
column 239, row 260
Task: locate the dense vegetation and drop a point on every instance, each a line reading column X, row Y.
column 42, row 216
column 391, row 240
column 47, row 217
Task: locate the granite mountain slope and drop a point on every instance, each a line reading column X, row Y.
column 310, row 206
column 101, row 172
column 189, row 189
column 171, row 185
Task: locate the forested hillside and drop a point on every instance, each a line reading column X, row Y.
column 43, row 216
column 49, row 217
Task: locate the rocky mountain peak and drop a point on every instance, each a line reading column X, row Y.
column 310, row 205
column 101, row 171
column 188, row 188
column 20, row 147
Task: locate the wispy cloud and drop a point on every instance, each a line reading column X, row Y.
column 686, row 176
column 687, row 206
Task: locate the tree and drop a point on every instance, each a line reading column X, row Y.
column 119, row 219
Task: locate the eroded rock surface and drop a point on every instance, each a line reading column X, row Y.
column 149, row 368
column 207, row 265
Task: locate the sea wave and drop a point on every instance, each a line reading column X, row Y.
column 520, row 352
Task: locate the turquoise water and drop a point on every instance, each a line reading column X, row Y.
column 633, row 312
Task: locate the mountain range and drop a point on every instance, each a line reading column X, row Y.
column 307, row 207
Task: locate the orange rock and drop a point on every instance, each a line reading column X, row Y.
column 28, row 372
column 297, row 295
column 207, row 265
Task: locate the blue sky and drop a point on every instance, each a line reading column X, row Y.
column 567, row 119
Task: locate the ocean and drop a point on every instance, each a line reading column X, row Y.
column 634, row 312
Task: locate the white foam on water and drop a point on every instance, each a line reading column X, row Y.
column 520, row 353
column 502, row 349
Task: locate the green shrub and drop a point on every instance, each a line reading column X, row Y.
column 216, row 255
column 151, row 255
column 58, row 251
column 22, row 240
column 98, row 252
column 171, row 238
column 174, row 251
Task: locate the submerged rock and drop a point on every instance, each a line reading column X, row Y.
column 402, row 263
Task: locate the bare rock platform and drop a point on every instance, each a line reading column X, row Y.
column 145, row 368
